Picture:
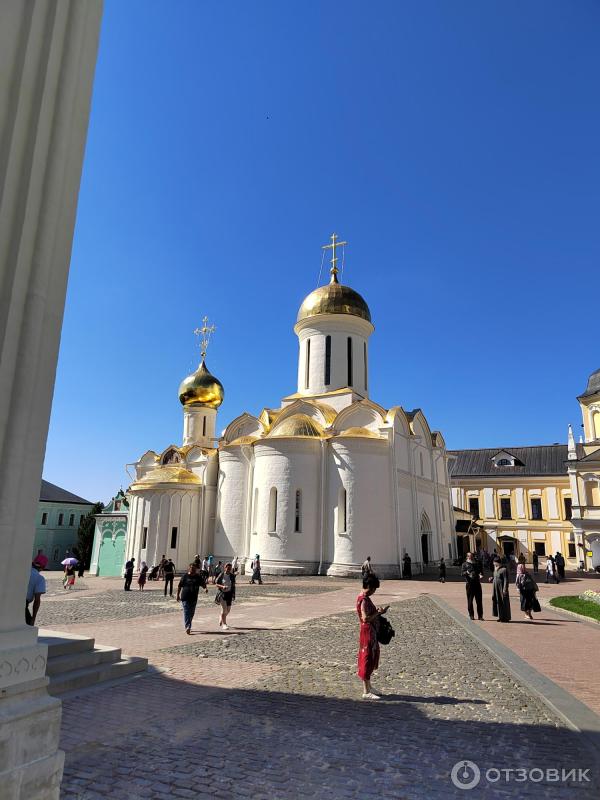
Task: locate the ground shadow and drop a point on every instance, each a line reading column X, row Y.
column 238, row 743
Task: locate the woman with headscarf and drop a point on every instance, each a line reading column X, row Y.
column 368, row 650
column 143, row 575
column 527, row 588
column 500, row 599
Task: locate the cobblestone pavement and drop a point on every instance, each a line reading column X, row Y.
column 67, row 608
column 301, row 731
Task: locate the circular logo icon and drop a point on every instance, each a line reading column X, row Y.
column 465, row 775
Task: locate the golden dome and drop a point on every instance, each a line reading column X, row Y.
column 167, row 474
column 297, row 425
column 334, row 299
column 201, row 389
column 357, row 431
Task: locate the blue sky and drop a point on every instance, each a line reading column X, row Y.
column 455, row 145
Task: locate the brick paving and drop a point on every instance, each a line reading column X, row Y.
column 272, row 708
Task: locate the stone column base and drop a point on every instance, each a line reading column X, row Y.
column 337, row 570
column 30, row 764
column 285, row 567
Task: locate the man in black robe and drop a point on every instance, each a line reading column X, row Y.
column 471, row 572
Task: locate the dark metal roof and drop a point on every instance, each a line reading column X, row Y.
column 593, row 385
column 51, row 493
column 547, row 459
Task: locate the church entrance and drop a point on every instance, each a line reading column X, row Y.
column 425, row 547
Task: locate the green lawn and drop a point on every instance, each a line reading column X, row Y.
column 585, row 607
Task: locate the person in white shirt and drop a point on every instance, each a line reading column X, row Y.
column 35, row 589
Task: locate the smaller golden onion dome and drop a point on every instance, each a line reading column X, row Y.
column 201, row 389
column 334, row 299
column 297, row 425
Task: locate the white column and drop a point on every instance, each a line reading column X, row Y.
column 47, row 59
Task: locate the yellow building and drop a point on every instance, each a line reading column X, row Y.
column 583, row 466
column 543, row 499
column 521, row 498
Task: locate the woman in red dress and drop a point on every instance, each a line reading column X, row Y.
column 368, row 652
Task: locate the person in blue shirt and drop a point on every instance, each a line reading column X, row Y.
column 35, row 589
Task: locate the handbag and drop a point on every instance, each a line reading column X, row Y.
column 219, row 597
column 385, row 632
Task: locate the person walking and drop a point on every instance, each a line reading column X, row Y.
column 551, row 570
column 500, row 598
column 35, row 589
column 527, row 588
column 407, row 567
column 143, row 575
column 536, row 562
column 521, row 559
column 197, row 561
column 187, row 592
column 161, row 567
column 367, row 567
column 255, row 566
column 129, row 567
column 69, row 579
column 471, row 573
column 226, row 594
column 559, row 560
column 219, row 570
column 169, row 573
column 442, row 569
column 368, row 649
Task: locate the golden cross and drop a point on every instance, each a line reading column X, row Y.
column 205, row 333
column 334, row 259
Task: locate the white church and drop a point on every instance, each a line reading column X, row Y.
column 315, row 485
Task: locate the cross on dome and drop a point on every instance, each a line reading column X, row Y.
column 205, row 332
column 334, row 259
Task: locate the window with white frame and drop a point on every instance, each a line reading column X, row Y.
column 255, row 511
column 273, row 510
column 342, row 510
column 298, row 512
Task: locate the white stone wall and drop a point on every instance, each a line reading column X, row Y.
column 339, row 327
column 362, row 467
column 230, row 525
column 287, row 465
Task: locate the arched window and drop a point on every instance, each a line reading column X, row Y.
column 425, row 538
column 365, row 363
column 298, row 512
column 342, row 510
column 273, row 510
column 171, row 457
column 255, row 511
column 307, row 366
column 503, row 462
column 349, row 361
column 327, row 360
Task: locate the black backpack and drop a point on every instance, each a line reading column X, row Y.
column 385, row 632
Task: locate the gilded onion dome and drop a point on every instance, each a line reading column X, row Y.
column 334, row 299
column 201, row 389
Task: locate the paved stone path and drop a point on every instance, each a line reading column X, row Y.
column 272, row 709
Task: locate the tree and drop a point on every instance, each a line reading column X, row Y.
column 85, row 535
